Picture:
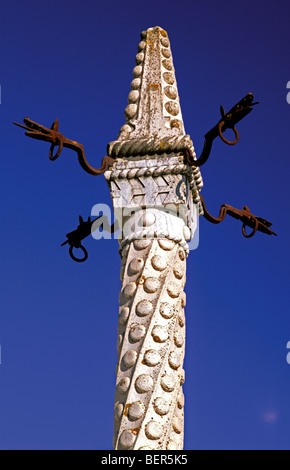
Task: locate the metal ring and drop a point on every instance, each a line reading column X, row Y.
column 60, row 146
column 78, row 260
column 253, row 231
column 226, row 141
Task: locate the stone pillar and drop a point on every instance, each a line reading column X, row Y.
column 156, row 200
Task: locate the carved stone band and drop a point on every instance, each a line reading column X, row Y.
column 149, row 145
column 159, row 177
column 157, row 223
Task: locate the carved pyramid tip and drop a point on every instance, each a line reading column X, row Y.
column 154, row 29
column 153, row 111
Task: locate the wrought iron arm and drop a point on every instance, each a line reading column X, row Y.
column 245, row 215
column 56, row 139
column 83, row 230
column 228, row 121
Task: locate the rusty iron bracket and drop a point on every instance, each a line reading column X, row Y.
column 228, row 121
column 245, row 215
column 56, row 139
column 83, row 230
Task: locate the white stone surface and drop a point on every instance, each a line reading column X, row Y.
column 154, row 123
column 155, row 197
column 148, row 400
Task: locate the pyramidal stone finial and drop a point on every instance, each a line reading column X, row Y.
column 153, row 116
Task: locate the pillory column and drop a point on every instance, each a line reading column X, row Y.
column 154, row 179
column 156, row 201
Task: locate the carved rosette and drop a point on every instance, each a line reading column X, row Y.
column 151, row 336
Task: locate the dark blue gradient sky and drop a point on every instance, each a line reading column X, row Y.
column 73, row 60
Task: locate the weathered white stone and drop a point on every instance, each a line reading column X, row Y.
column 144, row 308
column 151, row 357
column 151, row 371
column 161, row 406
column 153, row 430
column 129, row 290
column 118, row 411
column 127, row 439
column 151, row 285
column 159, row 262
column 135, row 84
column 155, row 197
column 129, row 358
column 148, row 218
column 174, row 360
column 123, row 315
column 136, row 265
column 133, row 96
column 166, row 310
column 141, row 244
column 144, row 383
column 123, row 384
column 137, row 332
column 137, row 71
column 136, row 410
column 177, row 424
column 159, row 333
column 171, row 445
column 178, row 339
column 186, row 233
column 139, row 57
column 131, row 110
column 168, row 383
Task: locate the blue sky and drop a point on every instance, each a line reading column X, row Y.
column 74, row 60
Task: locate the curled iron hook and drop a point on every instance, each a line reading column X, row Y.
column 228, row 121
column 55, row 138
column 245, row 215
column 226, row 141
column 84, row 229
column 59, row 150
column 78, row 260
column 252, row 233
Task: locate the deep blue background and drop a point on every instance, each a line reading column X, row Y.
column 73, row 60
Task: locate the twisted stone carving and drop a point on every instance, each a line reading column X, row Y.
column 147, row 146
column 147, row 171
column 151, row 335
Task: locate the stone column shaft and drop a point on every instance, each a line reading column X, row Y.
column 151, row 337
